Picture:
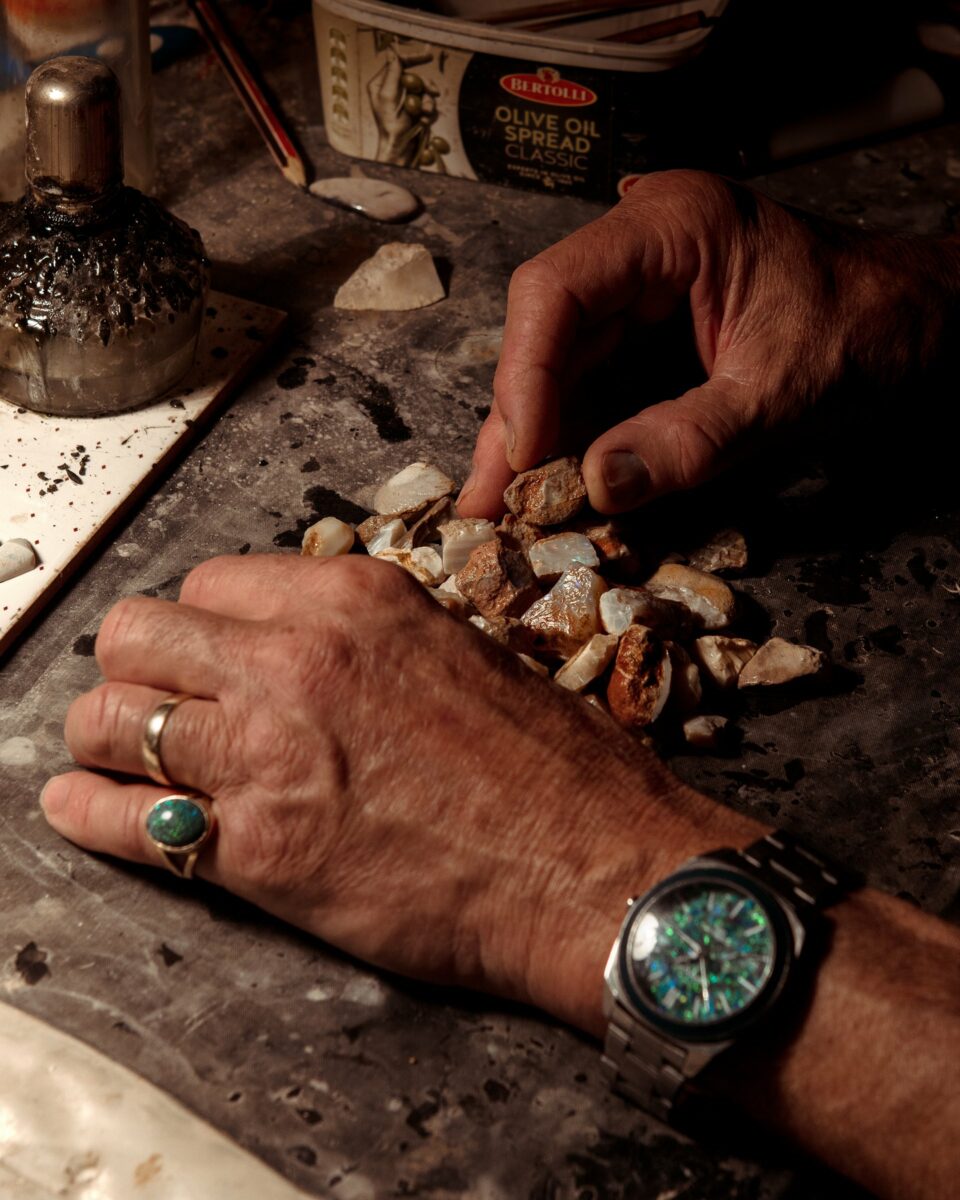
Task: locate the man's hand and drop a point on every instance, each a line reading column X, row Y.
column 785, row 307
column 382, row 775
column 394, row 782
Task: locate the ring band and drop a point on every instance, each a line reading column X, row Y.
column 153, row 732
column 180, row 825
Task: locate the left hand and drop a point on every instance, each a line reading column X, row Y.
column 382, row 775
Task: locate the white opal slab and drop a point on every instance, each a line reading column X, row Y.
column 75, row 1124
column 65, row 482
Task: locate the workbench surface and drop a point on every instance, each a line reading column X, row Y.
column 347, row 1082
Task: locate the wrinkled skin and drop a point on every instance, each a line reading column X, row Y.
column 785, row 308
column 352, row 735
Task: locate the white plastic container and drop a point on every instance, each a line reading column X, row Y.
column 545, row 110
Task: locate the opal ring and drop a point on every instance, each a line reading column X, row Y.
column 180, row 826
column 153, row 732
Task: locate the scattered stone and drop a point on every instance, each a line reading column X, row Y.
column 621, row 607
column 518, row 534
column 17, row 557
column 607, row 538
column 709, row 600
column 371, row 198
column 399, row 277
column 723, row 658
column 425, row 530
column 424, row 563
column 553, row 555
column 498, row 581
column 779, row 661
column 724, row 551
column 705, row 732
column 640, row 683
column 686, row 688
column 569, row 614
column 535, row 666
column 412, row 490
column 461, row 537
column 391, row 533
column 327, row 538
column 371, row 527
column 588, row 664
column 508, row 631
column 549, row 494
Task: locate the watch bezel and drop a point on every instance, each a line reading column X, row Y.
column 727, row 1027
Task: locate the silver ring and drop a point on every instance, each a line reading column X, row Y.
column 152, row 735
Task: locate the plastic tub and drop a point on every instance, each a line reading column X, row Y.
column 550, row 111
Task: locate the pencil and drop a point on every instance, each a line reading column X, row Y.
column 262, row 113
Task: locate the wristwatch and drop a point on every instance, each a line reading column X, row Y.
column 704, row 957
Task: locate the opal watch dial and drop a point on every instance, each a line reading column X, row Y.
column 702, row 951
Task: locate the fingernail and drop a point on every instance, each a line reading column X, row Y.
column 509, row 437
column 626, row 476
column 53, row 798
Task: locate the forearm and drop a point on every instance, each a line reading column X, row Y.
column 867, row 1082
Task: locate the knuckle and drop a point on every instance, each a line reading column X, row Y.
column 202, row 582
column 98, row 728
column 118, row 626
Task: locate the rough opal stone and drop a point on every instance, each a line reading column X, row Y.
column 176, row 822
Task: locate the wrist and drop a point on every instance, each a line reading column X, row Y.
column 655, row 826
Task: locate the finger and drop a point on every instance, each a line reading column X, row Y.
column 105, row 727
column 620, row 262
column 482, row 494
column 669, row 447
column 255, row 587
column 110, row 818
column 170, row 646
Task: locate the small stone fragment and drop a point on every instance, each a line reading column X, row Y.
column 371, row 527
column 549, row 494
column 779, row 661
column 589, row 662
column 708, row 598
column 423, row 563
column 686, row 688
column 17, row 557
column 724, row 551
column 372, row 198
column 607, row 538
column 425, row 530
column 640, row 683
column 399, row 277
column 622, row 607
column 568, row 615
column 508, row 631
column 705, row 732
column 391, row 533
column 553, row 555
column 537, row 667
column 461, row 537
column 412, row 490
column 328, row 538
column 518, row 534
column 723, row 658
column 454, row 604
column 498, row 581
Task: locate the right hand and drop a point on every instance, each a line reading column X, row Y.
column 784, row 306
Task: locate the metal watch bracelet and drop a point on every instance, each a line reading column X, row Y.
column 648, row 1067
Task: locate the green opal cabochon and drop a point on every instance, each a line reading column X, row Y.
column 176, row 822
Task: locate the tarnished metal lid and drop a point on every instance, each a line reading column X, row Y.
column 74, row 141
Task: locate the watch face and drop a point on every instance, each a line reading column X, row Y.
column 702, row 951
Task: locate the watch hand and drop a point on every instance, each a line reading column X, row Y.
column 690, row 942
column 704, row 987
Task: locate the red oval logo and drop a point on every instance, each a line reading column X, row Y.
column 548, row 87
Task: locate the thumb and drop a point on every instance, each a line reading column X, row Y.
column 669, row 447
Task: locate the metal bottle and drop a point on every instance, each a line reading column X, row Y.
column 101, row 289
